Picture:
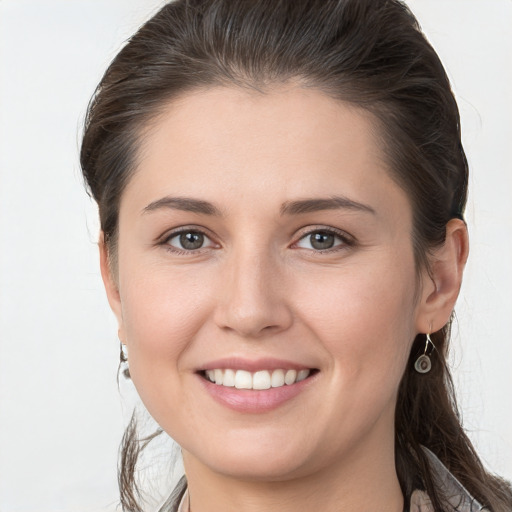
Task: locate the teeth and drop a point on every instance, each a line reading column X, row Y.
column 290, row 377
column 229, row 378
column 302, row 374
column 243, row 379
column 219, row 376
column 277, row 378
column 262, row 379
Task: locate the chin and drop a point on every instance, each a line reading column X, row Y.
column 256, row 467
column 254, row 460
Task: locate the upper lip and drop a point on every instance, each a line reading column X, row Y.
column 253, row 365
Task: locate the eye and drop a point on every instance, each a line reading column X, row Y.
column 322, row 240
column 189, row 240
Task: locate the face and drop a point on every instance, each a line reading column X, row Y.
column 266, row 281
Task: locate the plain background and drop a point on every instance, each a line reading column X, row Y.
column 61, row 416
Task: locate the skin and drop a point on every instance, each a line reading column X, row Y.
column 258, row 288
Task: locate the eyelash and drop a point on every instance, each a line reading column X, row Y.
column 184, row 252
column 346, row 240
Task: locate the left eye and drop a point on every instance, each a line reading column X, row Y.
column 320, row 240
column 188, row 240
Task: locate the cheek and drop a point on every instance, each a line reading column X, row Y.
column 364, row 320
column 364, row 316
column 162, row 311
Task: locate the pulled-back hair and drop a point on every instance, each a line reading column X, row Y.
column 370, row 53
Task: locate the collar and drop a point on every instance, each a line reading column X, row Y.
column 457, row 497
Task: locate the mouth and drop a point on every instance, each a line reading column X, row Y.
column 259, row 380
column 255, row 386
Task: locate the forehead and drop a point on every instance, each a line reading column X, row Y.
column 234, row 145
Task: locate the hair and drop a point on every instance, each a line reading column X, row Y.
column 369, row 53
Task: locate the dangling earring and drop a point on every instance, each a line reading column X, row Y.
column 123, row 355
column 423, row 364
column 123, row 358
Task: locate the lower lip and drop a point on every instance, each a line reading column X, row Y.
column 254, row 401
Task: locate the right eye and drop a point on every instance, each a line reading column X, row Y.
column 188, row 240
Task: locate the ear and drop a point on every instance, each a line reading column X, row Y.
column 110, row 283
column 441, row 285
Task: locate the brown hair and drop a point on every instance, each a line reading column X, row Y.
column 371, row 53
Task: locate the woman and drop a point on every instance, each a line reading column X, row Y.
column 281, row 187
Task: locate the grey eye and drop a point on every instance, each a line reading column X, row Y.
column 191, row 241
column 320, row 240
column 188, row 240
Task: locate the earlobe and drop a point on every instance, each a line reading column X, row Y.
column 109, row 281
column 442, row 284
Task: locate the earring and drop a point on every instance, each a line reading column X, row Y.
column 423, row 364
column 123, row 356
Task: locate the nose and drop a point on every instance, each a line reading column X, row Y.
column 253, row 299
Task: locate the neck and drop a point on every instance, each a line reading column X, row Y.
column 361, row 482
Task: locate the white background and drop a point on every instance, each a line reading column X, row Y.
column 60, row 412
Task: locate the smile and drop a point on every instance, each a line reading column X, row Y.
column 255, row 386
column 260, row 380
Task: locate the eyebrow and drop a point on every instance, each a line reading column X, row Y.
column 185, row 204
column 320, row 204
column 298, row 207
